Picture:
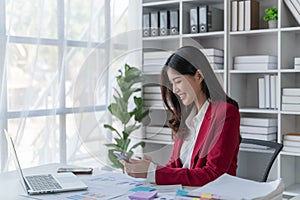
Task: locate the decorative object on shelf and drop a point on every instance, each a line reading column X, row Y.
column 271, row 16
column 130, row 120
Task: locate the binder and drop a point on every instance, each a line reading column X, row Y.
column 154, row 20
column 215, row 20
column 203, row 10
column 194, row 24
column 241, row 20
column 146, row 24
column 251, row 15
column 234, row 15
column 164, row 22
column 174, row 22
column 210, row 19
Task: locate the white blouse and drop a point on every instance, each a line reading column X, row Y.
column 193, row 122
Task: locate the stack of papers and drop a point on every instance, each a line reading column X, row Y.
column 235, row 188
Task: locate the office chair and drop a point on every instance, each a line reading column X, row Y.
column 255, row 162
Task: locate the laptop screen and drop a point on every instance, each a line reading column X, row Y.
column 16, row 160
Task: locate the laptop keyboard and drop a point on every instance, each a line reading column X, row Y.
column 43, row 182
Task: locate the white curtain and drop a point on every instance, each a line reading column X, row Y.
column 58, row 67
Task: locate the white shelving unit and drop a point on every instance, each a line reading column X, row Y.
column 284, row 42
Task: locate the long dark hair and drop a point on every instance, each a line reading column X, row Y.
column 186, row 61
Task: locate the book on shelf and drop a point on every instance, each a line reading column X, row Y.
column 255, row 59
column 241, row 15
column 292, row 136
column 215, row 59
column 258, row 129
column 267, row 91
column 261, row 93
column 151, row 89
column 152, row 96
column 268, row 137
column 254, row 66
column 217, row 66
column 290, row 107
column 273, row 91
column 155, row 61
column 297, row 66
column 157, row 55
column 291, row 149
column 291, row 91
column 291, row 143
column 297, row 60
column 148, row 102
column 290, row 99
column 212, row 52
column 293, row 10
column 253, row 121
column 152, row 68
column 251, row 15
column 234, row 15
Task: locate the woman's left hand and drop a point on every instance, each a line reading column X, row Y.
column 137, row 168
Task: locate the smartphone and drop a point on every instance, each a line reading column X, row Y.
column 76, row 170
column 121, row 156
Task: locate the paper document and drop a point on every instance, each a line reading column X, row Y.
column 235, row 188
column 100, row 187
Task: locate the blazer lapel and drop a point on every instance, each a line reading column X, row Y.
column 204, row 128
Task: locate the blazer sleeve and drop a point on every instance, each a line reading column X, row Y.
column 221, row 157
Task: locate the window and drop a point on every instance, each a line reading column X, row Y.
column 58, row 59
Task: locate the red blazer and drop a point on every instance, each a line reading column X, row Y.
column 215, row 151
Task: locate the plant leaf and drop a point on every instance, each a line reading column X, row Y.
column 142, row 144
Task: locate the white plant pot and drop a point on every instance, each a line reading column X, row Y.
column 272, row 23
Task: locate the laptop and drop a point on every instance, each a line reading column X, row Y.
column 45, row 183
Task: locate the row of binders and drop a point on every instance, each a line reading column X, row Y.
column 258, row 128
column 163, row 22
column 290, row 99
column 244, row 15
column 294, row 7
column 206, row 18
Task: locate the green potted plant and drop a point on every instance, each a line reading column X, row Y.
column 271, row 16
column 130, row 119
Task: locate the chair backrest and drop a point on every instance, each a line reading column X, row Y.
column 256, row 158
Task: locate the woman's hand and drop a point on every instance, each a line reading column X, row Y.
column 137, row 168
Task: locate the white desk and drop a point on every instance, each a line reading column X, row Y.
column 296, row 198
column 11, row 187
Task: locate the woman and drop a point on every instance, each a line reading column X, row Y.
column 204, row 120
